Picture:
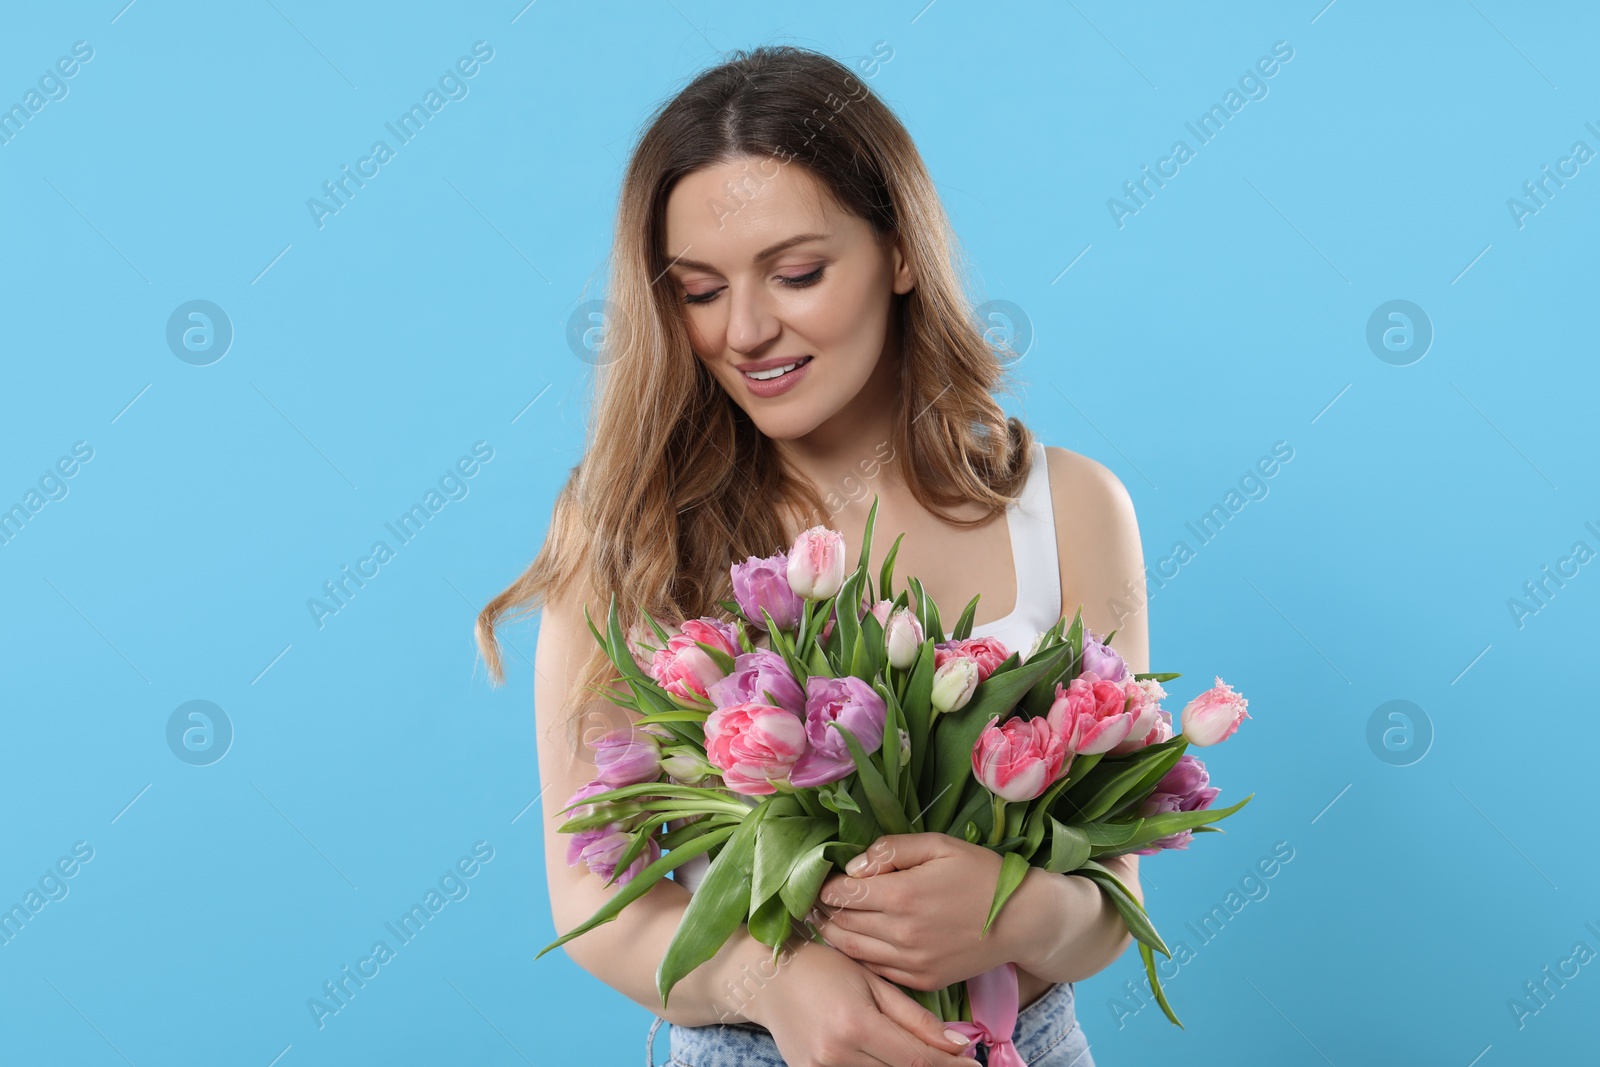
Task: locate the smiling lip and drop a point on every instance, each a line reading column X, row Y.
column 774, row 386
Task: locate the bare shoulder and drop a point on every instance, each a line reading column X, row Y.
column 1086, row 494
column 1101, row 556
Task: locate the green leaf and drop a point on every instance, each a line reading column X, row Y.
column 1129, row 804
column 1013, row 868
column 745, row 644
column 1069, row 847
column 955, row 734
column 642, row 883
column 1111, row 834
column 1133, row 913
column 689, row 831
column 1155, row 982
column 1112, row 782
column 638, row 841
column 672, row 790
column 880, row 798
column 917, row 707
column 723, row 661
column 1153, row 827
column 1156, row 677
column 963, row 628
column 847, row 627
column 870, row 653
column 817, row 662
column 1038, row 809
column 663, row 811
column 978, row 808
column 866, row 535
column 927, row 613
column 769, row 924
column 836, row 799
column 717, row 908
column 679, row 715
column 891, row 741
column 779, row 843
column 810, row 870
column 886, row 572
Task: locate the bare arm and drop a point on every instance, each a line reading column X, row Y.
column 624, row 952
column 1102, row 568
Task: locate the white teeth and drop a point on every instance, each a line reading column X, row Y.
column 775, row 372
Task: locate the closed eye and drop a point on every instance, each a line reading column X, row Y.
column 795, row 281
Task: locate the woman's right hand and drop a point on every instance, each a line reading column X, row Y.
column 824, row 1009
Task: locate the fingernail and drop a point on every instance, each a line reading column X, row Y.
column 856, row 865
column 951, row 1035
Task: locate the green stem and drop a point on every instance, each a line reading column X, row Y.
column 997, row 832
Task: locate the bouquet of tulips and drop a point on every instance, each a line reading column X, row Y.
column 829, row 712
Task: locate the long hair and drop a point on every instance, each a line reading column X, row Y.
column 676, row 483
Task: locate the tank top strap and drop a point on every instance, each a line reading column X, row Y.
column 1032, row 521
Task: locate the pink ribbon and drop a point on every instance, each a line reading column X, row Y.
column 993, row 995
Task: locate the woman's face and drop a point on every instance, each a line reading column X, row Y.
column 771, row 271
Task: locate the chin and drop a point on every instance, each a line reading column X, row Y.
column 787, row 425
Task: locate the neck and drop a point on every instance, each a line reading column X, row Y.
column 847, row 450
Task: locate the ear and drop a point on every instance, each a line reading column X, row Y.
column 905, row 279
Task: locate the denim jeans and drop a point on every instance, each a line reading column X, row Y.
column 1047, row 1035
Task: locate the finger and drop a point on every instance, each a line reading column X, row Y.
column 859, row 947
column 878, row 924
column 890, row 973
column 917, row 1024
column 894, row 852
column 850, row 892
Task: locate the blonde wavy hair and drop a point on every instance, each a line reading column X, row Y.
column 676, row 483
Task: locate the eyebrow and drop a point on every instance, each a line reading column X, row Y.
column 766, row 253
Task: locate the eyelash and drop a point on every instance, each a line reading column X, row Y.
column 798, row 281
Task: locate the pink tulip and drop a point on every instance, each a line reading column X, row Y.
column 1018, row 759
column 754, row 745
column 683, row 668
column 989, row 652
column 1213, row 715
column 1152, row 724
column 902, row 633
column 816, row 563
column 1091, row 714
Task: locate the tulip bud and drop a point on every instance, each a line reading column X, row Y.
column 685, row 765
column 1213, row 715
column 816, row 563
column 903, row 637
column 954, row 683
column 905, row 747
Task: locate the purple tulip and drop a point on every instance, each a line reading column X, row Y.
column 851, row 703
column 1183, row 788
column 626, row 756
column 1102, row 659
column 764, row 583
column 600, row 849
column 755, row 675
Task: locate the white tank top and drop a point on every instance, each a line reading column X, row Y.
column 1032, row 524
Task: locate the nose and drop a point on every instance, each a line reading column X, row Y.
column 751, row 324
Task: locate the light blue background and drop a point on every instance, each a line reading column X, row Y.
column 1229, row 313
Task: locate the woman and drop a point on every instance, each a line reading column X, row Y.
column 788, row 336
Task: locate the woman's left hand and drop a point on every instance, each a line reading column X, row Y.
column 914, row 906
